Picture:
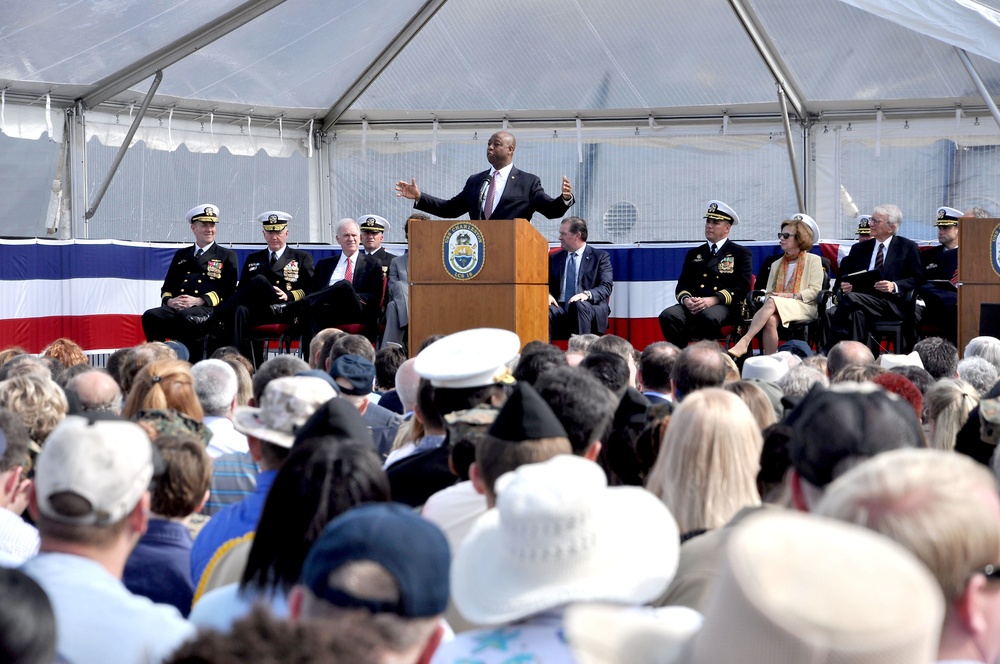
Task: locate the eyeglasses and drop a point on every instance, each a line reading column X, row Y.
column 875, row 221
column 785, row 236
column 991, row 572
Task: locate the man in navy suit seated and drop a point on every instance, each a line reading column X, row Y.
column 898, row 260
column 502, row 192
column 580, row 283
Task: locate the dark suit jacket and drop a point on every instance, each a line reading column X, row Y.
column 522, row 197
column 596, row 276
column 293, row 273
column 212, row 276
column 939, row 263
column 901, row 265
column 367, row 278
column 725, row 275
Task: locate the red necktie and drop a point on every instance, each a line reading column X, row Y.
column 880, row 256
column 349, row 274
column 490, row 194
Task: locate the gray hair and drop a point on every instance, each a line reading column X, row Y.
column 892, row 213
column 800, row 379
column 216, row 385
column 987, row 348
column 979, row 372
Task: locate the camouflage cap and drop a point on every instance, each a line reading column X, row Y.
column 284, row 407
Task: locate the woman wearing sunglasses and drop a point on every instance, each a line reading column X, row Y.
column 792, row 288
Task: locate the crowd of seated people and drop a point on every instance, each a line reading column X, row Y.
column 138, row 530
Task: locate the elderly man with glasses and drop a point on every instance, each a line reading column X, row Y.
column 876, row 279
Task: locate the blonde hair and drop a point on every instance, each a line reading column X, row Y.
column 948, row 403
column 707, row 467
column 756, row 400
column 934, row 503
column 164, row 385
column 38, row 401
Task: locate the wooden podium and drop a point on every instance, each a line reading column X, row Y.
column 979, row 280
column 509, row 289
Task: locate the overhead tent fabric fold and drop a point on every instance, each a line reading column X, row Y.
column 31, row 122
column 160, row 133
column 965, row 24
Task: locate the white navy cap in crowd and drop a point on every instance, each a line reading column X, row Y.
column 373, row 223
column 471, row 358
column 947, row 216
column 720, row 211
column 810, row 222
column 206, row 212
column 274, row 220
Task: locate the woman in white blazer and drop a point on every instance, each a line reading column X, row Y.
column 792, row 288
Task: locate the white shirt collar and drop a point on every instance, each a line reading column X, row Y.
column 504, row 172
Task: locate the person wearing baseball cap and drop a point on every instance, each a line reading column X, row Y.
column 384, row 570
column 91, row 501
column 273, row 276
column 713, row 283
column 199, row 278
column 940, row 293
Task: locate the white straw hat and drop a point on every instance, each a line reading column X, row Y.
column 560, row 535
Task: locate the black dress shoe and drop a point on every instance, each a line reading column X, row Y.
column 198, row 320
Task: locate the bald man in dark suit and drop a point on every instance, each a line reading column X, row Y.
column 501, row 192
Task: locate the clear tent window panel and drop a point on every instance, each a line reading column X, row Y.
column 153, row 189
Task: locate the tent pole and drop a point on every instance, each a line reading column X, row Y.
column 974, row 75
column 791, row 148
column 124, row 147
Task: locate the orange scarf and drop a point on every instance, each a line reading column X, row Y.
column 781, row 277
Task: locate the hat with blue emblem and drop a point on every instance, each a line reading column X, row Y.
column 275, row 220
column 206, row 212
column 719, row 211
column 865, row 225
column 471, row 358
column 947, row 216
column 372, row 223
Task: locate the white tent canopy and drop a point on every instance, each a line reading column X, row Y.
column 361, row 79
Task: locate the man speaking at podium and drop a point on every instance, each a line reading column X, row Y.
column 502, row 192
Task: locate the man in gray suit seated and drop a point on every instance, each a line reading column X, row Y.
column 397, row 301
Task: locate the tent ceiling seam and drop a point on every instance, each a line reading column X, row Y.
column 383, row 60
column 177, row 50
